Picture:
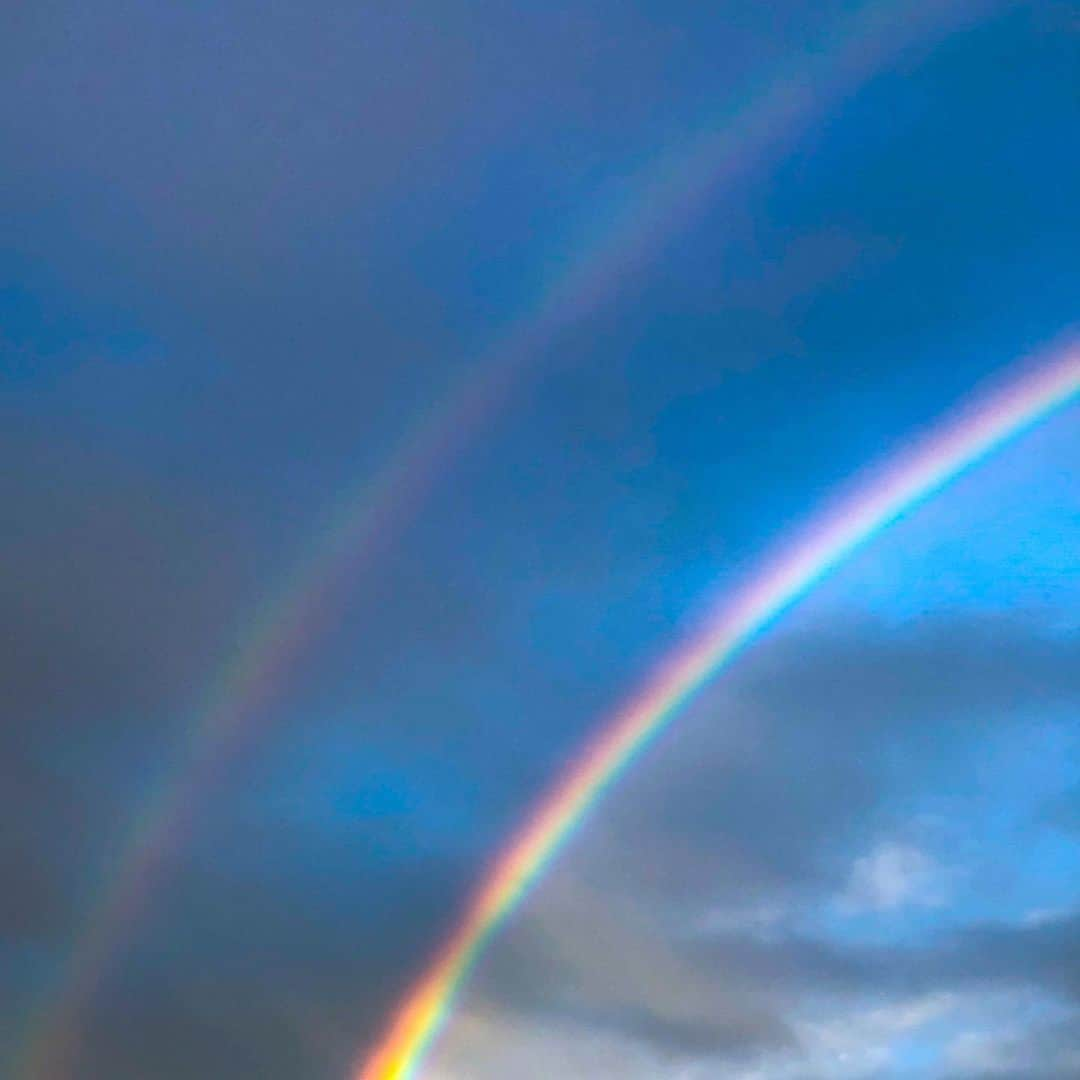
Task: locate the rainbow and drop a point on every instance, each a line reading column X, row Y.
column 979, row 429
column 678, row 186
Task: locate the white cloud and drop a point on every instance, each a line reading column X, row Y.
column 755, row 919
column 1016, row 1032
column 893, row 875
column 848, row 1043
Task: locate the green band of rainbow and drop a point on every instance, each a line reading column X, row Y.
column 977, row 431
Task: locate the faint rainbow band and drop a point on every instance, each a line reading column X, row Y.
column 672, row 192
column 978, row 430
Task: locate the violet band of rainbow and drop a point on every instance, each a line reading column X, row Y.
column 976, row 431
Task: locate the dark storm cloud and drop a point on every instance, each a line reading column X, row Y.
column 111, row 577
column 33, row 902
column 293, row 986
column 226, row 138
column 214, row 1027
column 117, row 593
column 347, row 187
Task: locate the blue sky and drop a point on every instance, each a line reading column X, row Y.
column 245, row 248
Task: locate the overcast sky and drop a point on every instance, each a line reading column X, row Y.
column 713, row 259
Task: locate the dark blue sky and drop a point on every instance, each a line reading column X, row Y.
column 245, row 247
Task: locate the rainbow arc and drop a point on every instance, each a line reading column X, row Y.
column 976, row 431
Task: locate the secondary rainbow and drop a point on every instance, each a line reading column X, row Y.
column 663, row 199
column 979, row 429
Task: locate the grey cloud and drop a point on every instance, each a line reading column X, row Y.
column 759, row 805
column 789, row 975
column 1046, row 953
column 1040, row 1051
column 591, row 960
column 786, row 763
column 1044, row 956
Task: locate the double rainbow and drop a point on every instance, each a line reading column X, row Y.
column 977, row 431
column 679, row 185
